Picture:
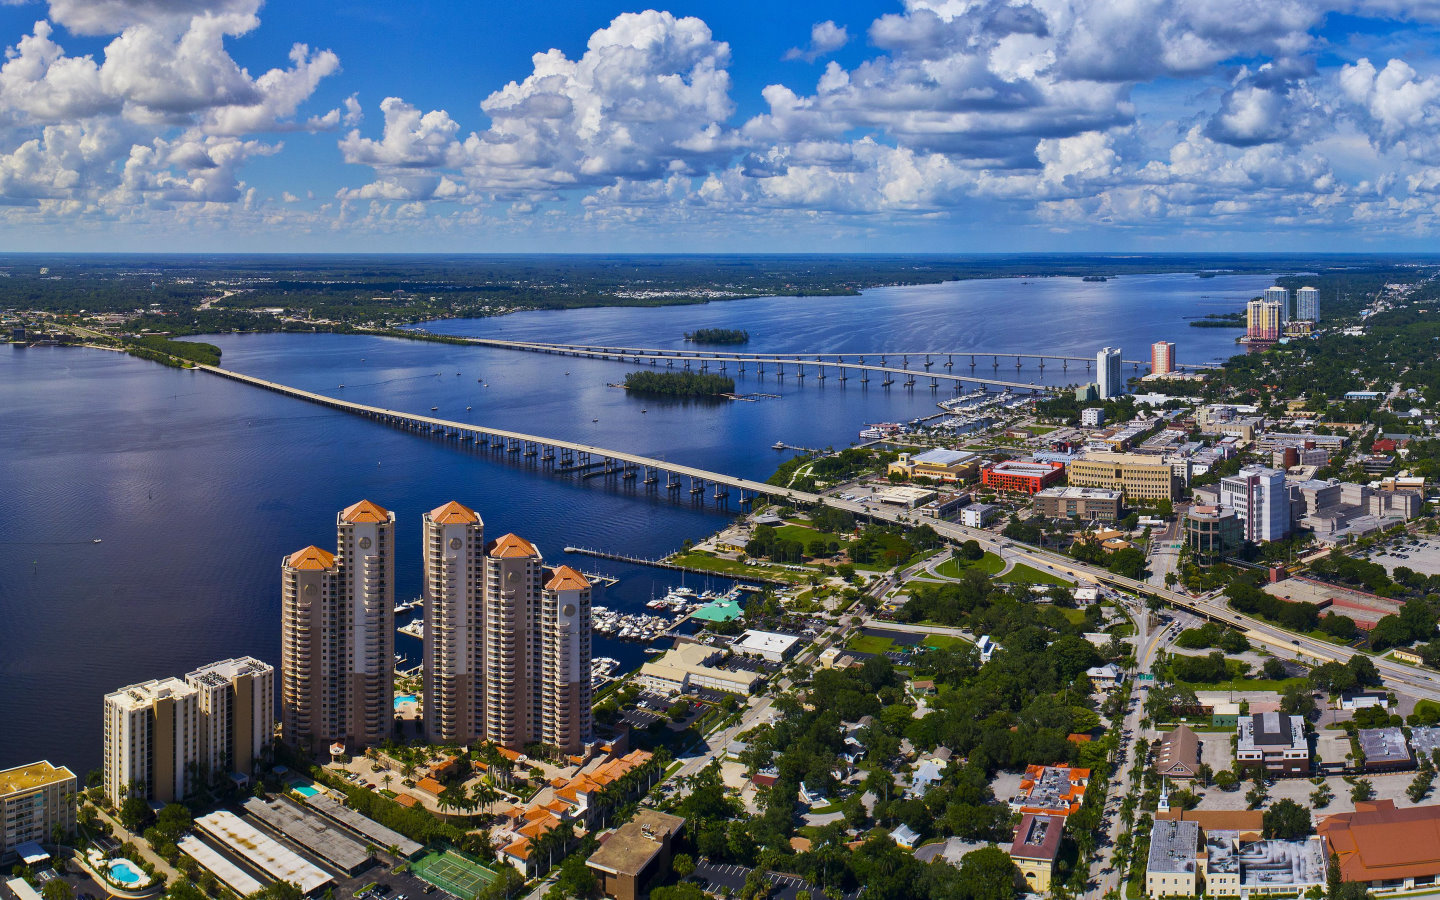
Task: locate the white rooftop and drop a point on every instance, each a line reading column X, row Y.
column 231, row 875
column 764, row 642
column 939, row 457
column 264, row 852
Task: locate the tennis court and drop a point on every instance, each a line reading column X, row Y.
column 449, row 871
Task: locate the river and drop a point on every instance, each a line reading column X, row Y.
column 197, row 486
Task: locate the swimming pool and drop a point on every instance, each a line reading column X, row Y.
column 125, row 872
column 406, row 698
column 305, row 790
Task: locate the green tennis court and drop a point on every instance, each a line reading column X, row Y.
column 449, row 871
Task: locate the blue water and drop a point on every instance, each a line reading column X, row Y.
column 404, row 698
column 124, row 873
column 198, row 486
column 305, row 790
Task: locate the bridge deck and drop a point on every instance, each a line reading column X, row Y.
column 756, row 487
column 834, row 358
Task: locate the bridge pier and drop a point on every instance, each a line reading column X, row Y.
column 651, row 477
column 927, row 362
column 721, row 493
column 672, row 482
column 531, row 449
column 697, row 486
column 995, row 362
column 950, row 362
column 972, row 360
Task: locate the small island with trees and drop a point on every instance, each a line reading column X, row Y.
column 1220, row 320
column 678, row 384
column 718, row 336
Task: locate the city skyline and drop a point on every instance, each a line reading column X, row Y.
column 226, row 124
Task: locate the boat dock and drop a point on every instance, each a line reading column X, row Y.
column 600, row 579
column 781, row 445
column 663, row 564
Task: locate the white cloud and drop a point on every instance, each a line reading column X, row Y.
column 825, row 38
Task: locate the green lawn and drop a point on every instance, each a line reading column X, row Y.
column 990, row 564
column 1040, row 429
column 944, row 641
column 1073, row 616
column 1249, row 684
column 735, row 567
column 1023, row 574
column 870, row 643
column 802, row 533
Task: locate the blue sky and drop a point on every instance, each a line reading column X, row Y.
column 925, row 125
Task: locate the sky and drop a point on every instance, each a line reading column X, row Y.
column 709, row 126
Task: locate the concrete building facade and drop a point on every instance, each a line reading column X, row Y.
column 365, row 554
column 453, row 544
column 1089, row 504
column 1136, row 477
column 237, row 714
column 1261, row 500
column 1307, row 304
column 152, row 741
column 1162, row 357
column 566, row 718
column 511, row 652
column 1109, row 374
column 34, row 799
column 314, row 692
column 1264, row 320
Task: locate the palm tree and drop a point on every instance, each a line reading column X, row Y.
column 386, row 780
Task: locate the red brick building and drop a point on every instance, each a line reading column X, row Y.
column 1023, row 477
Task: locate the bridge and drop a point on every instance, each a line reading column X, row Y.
column 559, row 456
column 841, row 362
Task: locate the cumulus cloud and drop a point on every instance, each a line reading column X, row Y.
column 825, row 38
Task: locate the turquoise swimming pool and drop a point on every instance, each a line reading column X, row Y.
column 125, row 872
column 306, row 790
column 405, row 698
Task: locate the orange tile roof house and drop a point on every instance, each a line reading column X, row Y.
column 1051, row 790
column 1386, row 848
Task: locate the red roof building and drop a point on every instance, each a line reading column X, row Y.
column 1023, row 477
column 1381, row 846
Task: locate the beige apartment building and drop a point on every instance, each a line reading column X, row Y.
column 34, row 799
column 1137, row 477
column 314, row 700
column 511, row 653
column 237, row 714
column 152, row 741
column 365, row 554
column 565, row 702
column 453, row 541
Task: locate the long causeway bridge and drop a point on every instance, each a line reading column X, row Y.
column 559, row 456
column 935, row 364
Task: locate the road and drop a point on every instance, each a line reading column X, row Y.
column 1284, row 643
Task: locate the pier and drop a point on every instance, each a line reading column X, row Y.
column 662, row 564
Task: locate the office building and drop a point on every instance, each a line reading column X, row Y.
column 365, row 554
column 1212, row 533
column 565, row 682
column 152, row 741
column 34, row 799
column 314, row 689
column 1260, row 500
column 689, row 667
column 948, row 466
column 1036, row 846
column 237, row 714
column 1162, row 357
column 1307, row 304
column 1092, row 417
column 1024, row 477
column 1178, row 753
column 1137, row 477
column 1172, row 868
column 1087, row 504
column 453, row 541
column 1107, row 368
column 635, row 855
column 1273, row 742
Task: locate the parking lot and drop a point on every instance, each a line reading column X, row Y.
column 729, row 879
column 1419, row 555
column 387, row 886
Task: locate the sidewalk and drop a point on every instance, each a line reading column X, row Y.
column 123, row 836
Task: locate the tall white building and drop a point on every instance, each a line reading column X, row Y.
column 237, row 714
column 565, row 701
column 1108, row 371
column 453, row 541
column 365, row 555
column 1260, row 500
column 1307, row 304
column 314, row 677
column 152, row 741
column 1277, row 294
